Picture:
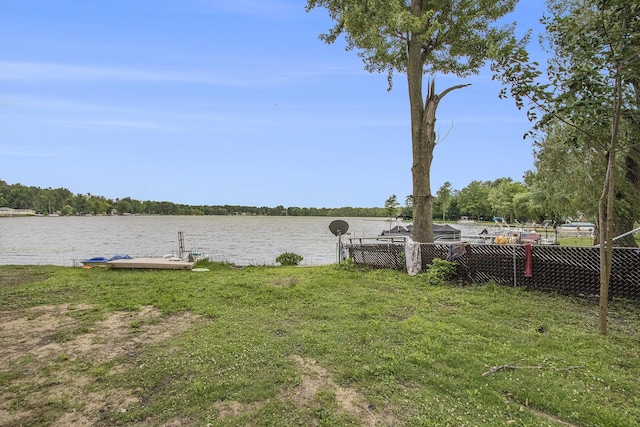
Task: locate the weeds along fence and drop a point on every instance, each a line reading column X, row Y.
column 567, row 270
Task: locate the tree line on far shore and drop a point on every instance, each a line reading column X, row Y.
column 61, row 201
column 479, row 200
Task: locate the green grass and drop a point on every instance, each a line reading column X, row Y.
column 408, row 353
column 582, row 241
column 576, row 241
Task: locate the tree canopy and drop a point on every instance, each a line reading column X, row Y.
column 418, row 38
column 589, row 101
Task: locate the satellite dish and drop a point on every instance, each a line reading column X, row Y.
column 339, row 227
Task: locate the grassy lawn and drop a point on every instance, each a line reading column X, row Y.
column 319, row 346
column 576, row 241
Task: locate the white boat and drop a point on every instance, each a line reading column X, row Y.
column 465, row 220
column 503, row 233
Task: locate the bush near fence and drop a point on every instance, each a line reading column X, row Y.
column 567, row 270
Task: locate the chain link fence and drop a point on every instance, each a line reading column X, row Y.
column 567, row 270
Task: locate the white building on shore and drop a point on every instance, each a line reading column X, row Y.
column 16, row 212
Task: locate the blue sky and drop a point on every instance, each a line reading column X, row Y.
column 227, row 102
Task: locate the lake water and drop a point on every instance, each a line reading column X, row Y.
column 243, row 240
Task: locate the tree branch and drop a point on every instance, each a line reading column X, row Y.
column 451, row 89
column 432, row 97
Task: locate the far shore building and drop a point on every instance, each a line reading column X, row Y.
column 16, row 212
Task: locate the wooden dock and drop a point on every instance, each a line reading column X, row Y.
column 151, row 263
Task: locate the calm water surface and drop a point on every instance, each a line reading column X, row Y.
column 243, row 240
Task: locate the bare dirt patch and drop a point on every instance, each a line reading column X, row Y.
column 315, row 378
column 47, row 353
column 49, row 356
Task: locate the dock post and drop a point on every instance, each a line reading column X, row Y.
column 180, row 244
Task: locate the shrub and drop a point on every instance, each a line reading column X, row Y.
column 289, row 258
column 440, row 271
column 346, row 264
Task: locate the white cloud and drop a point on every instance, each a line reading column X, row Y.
column 242, row 75
column 31, row 152
column 113, row 124
column 34, row 71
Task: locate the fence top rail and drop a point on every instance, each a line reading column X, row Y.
column 372, row 240
column 378, row 239
column 396, row 239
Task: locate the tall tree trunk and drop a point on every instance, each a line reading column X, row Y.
column 421, row 191
column 423, row 134
column 423, row 138
column 423, row 146
column 605, row 210
column 419, row 170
